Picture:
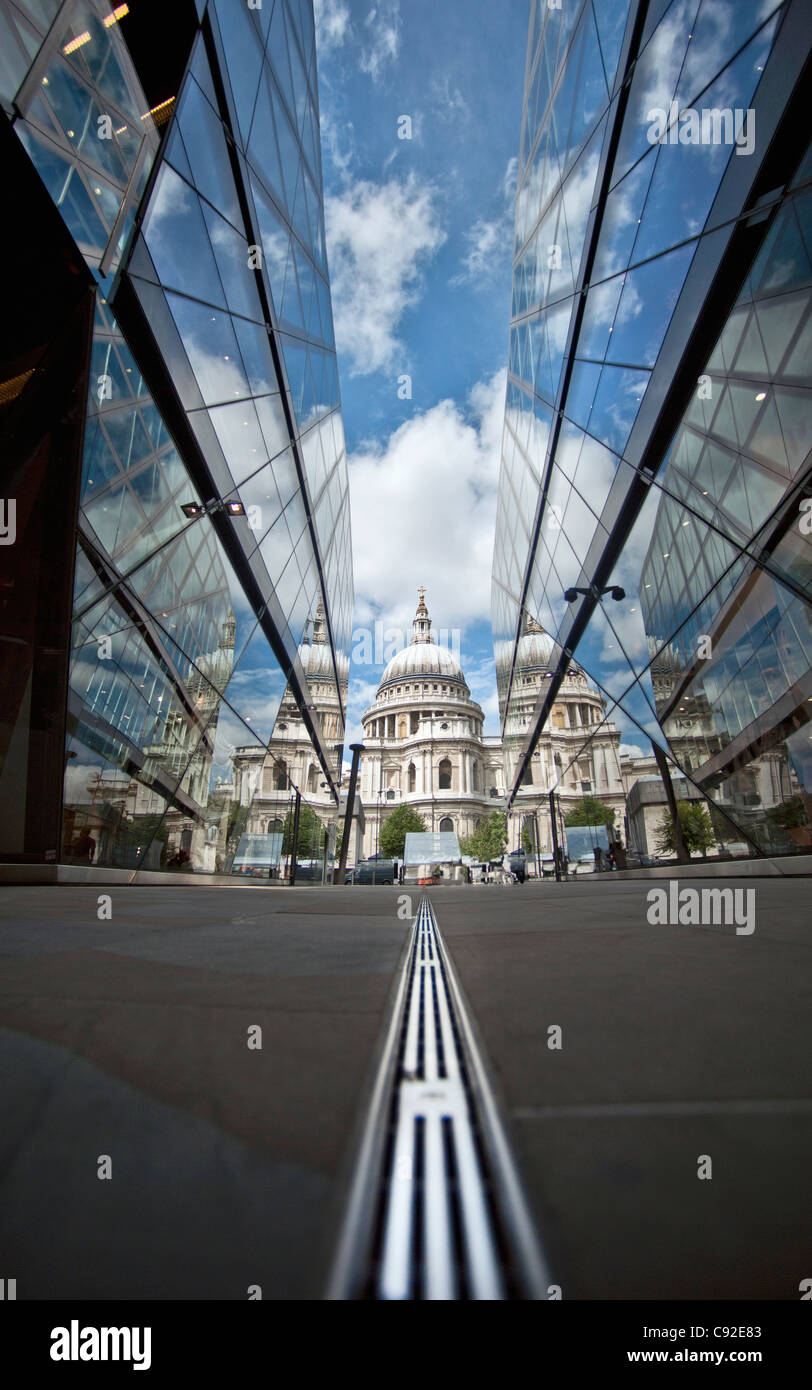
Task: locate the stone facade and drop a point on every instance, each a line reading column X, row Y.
column 425, row 745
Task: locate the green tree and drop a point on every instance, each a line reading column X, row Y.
column 488, row 840
column 589, row 811
column 311, row 833
column 403, row 821
column 237, row 821
column 789, row 815
column 697, row 829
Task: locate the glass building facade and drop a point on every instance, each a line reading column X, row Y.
column 658, row 416
column 180, row 496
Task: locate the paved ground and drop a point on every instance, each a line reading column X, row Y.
column 128, row 1038
column 676, row 1042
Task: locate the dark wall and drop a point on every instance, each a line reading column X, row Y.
column 45, row 335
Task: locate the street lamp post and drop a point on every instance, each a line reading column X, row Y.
column 295, row 847
column 536, row 838
column 563, row 831
column 356, row 749
column 554, row 828
column 384, row 794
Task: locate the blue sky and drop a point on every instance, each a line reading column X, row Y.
column 419, row 238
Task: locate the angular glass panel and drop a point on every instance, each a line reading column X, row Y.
column 205, row 147
column 243, row 46
column 262, row 147
column 636, row 337
column 232, row 255
column 209, row 341
column 178, row 241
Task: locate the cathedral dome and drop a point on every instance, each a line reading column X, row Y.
column 536, row 649
column 425, row 659
column 422, row 657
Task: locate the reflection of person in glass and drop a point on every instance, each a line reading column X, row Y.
column 84, row 846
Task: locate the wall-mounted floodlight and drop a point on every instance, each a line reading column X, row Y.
column 196, row 509
column 593, row 592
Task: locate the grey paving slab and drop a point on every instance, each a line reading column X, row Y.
column 676, row 1042
column 129, row 1037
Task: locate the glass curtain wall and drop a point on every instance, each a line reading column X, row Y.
column 213, row 542
column 702, row 523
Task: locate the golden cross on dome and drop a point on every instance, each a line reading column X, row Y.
column 421, row 594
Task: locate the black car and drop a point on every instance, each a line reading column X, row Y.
column 517, row 860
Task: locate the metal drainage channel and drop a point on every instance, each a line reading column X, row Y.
column 436, row 1210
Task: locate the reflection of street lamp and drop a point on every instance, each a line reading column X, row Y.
column 382, row 796
column 594, row 592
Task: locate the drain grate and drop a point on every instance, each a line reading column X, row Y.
column 436, row 1211
column 438, row 1239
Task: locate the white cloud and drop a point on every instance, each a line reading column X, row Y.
column 485, row 241
column 378, row 238
column 423, row 509
column 509, row 181
column 631, row 750
column 332, row 24
column 338, row 144
column 490, row 242
column 448, row 103
column 383, row 38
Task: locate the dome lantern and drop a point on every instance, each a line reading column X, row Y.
column 423, row 657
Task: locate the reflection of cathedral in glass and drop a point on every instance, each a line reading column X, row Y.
column 658, row 417
column 265, row 777
column 206, row 499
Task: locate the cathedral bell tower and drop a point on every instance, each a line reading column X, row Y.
column 421, row 626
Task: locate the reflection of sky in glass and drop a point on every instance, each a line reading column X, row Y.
column 680, row 562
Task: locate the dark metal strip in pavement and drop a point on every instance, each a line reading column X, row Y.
column 436, row 1210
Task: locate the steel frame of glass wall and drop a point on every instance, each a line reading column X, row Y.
column 213, row 522
column 658, row 422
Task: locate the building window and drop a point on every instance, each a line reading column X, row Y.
column 313, row 778
column 411, row 776
column 281, row 777
column 446, row 823
column 444, row 770
column 275, row 826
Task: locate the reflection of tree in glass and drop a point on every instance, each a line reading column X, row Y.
column 589, row 811
column 697, row 829
column 309, row 839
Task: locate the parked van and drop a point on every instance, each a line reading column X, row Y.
column 374, row 871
